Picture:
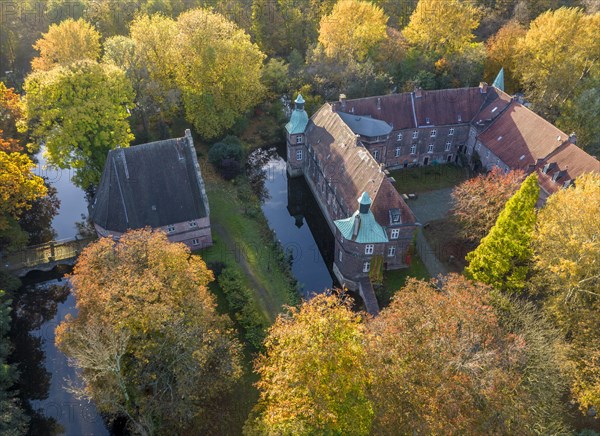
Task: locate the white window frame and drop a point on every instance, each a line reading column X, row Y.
column 391, row 251
column 170, row 228
column 395, row 234
column 448, row 146
column 451, row 132
column 376, row 154
column 413, row 149
column 298, row 139
column 193, row 224
column 299, row 154
column 195, row 241
column 397, row 152
column 369, row 248
column 434, row 133
column 399, row 137
column 415, row 134
column 427, row 120
column 367, row 266
column 430, row 149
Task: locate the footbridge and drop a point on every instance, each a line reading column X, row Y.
column 44, row 257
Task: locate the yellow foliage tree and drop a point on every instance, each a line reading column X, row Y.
column 500, row 53
column 353, row 29
column 67, row 42
column 19, row 187
column 568, row 263
column 443, row 26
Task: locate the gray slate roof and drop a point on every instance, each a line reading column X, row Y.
column 364, row 125
column 153, row 184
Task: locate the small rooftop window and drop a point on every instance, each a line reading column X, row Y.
column 495, row 109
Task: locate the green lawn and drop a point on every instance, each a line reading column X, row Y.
column 394, row 280
column 429, row 178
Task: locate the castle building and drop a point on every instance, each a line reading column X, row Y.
column 157, row 185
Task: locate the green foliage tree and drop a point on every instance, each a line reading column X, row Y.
column 443, row 361
column 147, row 339
column 79, row 112
column 559, row 51
column 566, row 259
column 65, row 43
column 219, row 77
column 581, row 114
column 313, row 373
column 503, row 257
column 13, row 421
column 353, row 29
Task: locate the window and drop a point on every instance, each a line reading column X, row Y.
column 170, row 228
column 341, row 255
column 448, row 146
column 459, row 118
column 430, row 148
column 391, row 251
column 369, row 248
column 376, row 154
column 196, row 241
column 415, row 134
column 413, row 149
column 395, row 233
column 487, row 154
column 366, row 266
column 427, row 120
column 298, row 154
column 193, row 224
column 298, row 139
column 451, row 132
column 397, row 152
column 433, row 133
column 399, row 137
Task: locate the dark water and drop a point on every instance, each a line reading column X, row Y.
column 297, row 221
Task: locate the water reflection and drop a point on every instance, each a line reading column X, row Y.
column 290, row 205
column 37, row 310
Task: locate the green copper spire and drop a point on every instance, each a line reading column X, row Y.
column 499, row 82
column 299, row 118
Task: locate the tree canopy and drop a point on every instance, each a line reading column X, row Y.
column 313, row 372
column 503, row 257
column 79, row 112
column 65, row 43
column 353, row 29
column 147, row 338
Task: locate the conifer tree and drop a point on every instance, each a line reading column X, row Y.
column 502, row 259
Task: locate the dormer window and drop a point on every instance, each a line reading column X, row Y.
column 459, row 118
column 433, row 133
column 427, row 120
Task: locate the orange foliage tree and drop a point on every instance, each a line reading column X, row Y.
column 147, row 339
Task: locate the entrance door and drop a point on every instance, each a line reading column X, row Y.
column 426, row 161
column 449, row 158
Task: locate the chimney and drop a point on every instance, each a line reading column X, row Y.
column 573, row 138
column 418, row 92
column 483, row 87
column 343, row 101
column 356, row 227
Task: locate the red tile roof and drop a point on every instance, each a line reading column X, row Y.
column 395, row 109
column 444, row 106
column 519, row 137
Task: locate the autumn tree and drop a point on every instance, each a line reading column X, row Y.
column 581, row 114
column 567, row 256
column 147, row 339
column 19, row 187
column 220, row 75
column 477, row 202
column 313, row 373
column 79, row 112
column 559, row 51
column 37, row 220
column 65, row 43
column 443, row 27
column 503, row 257
column 11, row 112
column 443, row 361
column 353, row 29
column 500, row 53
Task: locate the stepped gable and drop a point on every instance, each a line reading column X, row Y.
column 519, row 137
column 564, row 165
column 154, row 184
column 349, row 167
column 445, row 106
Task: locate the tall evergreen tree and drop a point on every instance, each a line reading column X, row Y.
column 502, row 259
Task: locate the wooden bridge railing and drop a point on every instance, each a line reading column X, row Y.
column 54, row 251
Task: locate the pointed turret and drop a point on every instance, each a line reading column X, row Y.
column 499, row 81
column 364, row 203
